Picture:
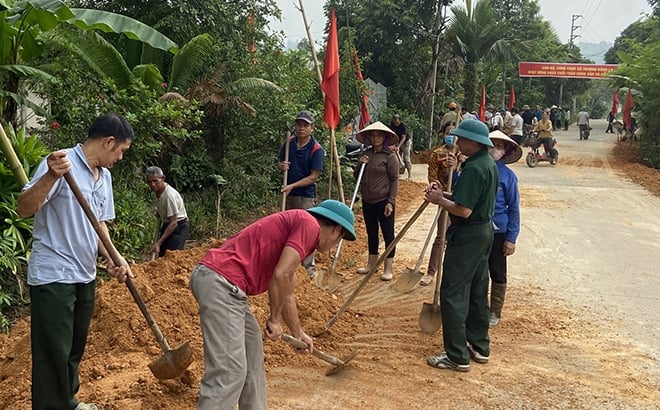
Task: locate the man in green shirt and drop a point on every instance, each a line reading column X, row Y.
column 464, row 287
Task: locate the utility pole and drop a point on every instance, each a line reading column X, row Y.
column 574, row 27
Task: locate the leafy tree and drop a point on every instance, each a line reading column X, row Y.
column 21, row 24
column 639, row 70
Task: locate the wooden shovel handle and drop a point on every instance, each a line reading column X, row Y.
column 302, row 345
column 116, row 259
column 443, row 235
column 380, row 260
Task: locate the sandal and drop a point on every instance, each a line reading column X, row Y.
column 426, row 280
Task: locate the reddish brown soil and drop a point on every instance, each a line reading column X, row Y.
column 545, row 350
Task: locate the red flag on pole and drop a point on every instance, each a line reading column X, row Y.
column 627, row 109
column 330, row 82
column 615, row 102
column 512, row 98
column 482, row 106
column 365, row 118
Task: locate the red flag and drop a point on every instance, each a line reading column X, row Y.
column 365, row 118
column 615, row 102
column 330, row 82
column 482, row 106
column 512, row 98
column 627, row 109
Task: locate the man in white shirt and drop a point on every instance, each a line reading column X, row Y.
column 583, row 123
column 516, row 125
column 171, row 213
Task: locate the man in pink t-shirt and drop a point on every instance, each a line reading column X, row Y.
column 262, row 257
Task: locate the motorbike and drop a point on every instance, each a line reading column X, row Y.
column 534, row 156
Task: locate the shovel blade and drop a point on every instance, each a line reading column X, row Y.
column 345, row 361
column 430, row 318
column 407, row 281
column 172, row 363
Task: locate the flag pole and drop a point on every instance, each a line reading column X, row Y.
column 333, row 147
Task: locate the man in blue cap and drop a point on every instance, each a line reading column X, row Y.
column 464, row 286
column 262, row 257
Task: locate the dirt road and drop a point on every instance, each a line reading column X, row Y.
column 581, row 321
column 579, row 329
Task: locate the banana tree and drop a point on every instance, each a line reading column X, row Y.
column 22, row 24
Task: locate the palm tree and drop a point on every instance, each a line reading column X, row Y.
column 476, row 36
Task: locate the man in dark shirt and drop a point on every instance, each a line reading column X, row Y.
column 405, row 142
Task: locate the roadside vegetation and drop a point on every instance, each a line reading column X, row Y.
column 211, row 93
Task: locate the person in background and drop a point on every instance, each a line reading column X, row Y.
column 170, row 212
column 442, row 159
column 544, row 128
column 506, row 220
column 464, row 286
column 303, row 167
column 583, row 123
column 450, row 116
column 378, row 189
column 610, row 120
column 559, row 118
column 517, row 124
column 261, row 258
column 405, row 142
column 62, row 266
column 567, row 118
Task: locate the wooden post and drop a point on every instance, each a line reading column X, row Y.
column 334, row 159
column 287, row 148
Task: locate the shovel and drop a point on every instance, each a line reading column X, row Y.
column 374, row 268
column 410, row 277
column 339, row 364
column 333, row 280
column 173, row 362
column 430, row 318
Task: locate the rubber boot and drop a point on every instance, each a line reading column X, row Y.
column 497, row 293
column 370, row 264
column 388, row 273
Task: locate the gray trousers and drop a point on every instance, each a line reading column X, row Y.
column 234, row 370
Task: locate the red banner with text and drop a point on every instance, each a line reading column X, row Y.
column 565, row 70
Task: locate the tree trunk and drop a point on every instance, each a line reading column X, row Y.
column 12, row 158
column 469, row 86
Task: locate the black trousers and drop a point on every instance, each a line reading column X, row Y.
column 497, row 260
column 177, row 239
column 374, row 215
column 60, row 317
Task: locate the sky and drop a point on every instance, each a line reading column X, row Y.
column 602, row 20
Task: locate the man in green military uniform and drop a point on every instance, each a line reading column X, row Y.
column 464, row 286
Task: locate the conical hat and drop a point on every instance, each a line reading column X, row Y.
column 513, row 151
column 392, row 138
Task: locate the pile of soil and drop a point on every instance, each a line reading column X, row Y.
column 114, row 371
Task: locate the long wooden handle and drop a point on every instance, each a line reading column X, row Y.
column 380, row 260
column 302, row 345
column 333, row 266
column 286, row 173
column 443, row 235
column 117, row 260
column 428, row 240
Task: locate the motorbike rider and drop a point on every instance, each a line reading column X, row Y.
column 544, row 129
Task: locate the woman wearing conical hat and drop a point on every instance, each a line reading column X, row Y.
column 378, row 189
